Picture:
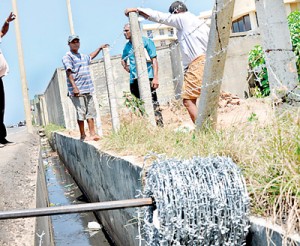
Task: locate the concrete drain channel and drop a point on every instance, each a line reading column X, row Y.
column 69, row 229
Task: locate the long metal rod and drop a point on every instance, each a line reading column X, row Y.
column 79, row 208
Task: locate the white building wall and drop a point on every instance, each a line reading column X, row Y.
column 158, row 38
column 243, row 7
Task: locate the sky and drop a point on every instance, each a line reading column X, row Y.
column 45, row 29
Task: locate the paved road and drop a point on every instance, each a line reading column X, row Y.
column 18, row 174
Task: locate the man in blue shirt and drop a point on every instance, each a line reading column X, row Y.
column 152, row 66
column 3, row 72
column 80, row 85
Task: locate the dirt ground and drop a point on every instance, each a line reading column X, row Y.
column 18, row 172
column 232, row 110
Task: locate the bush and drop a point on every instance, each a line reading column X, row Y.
column 134, row 104
column 258, row 67
column 257, row 63
column 294, row 26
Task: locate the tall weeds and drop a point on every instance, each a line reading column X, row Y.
column 268, row 154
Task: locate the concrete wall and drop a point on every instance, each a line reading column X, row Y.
column 243, row 7
column 165, row 92
column 264, row 233
column 54, row 101
column 236, row 66
column 103, row 177
column 39, row 113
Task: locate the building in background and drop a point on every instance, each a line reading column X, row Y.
column 244, row 20
column 245, row 34
column 162, row 35
column 244, row 15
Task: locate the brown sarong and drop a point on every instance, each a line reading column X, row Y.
column 192, row 83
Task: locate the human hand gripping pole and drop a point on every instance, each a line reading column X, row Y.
column 104, row 46
column 96, row 52
column 11, row 17
column 129, row 10
column 5, row 26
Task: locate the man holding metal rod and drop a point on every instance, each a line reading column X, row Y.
column 80, row 86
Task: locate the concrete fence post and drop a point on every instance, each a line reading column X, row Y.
column 98, row 119
column 215, row 62
column 65, row 114
column 177, row 69
column 35, row 113
column 141, row 66
column 277, row 45
column 44, row 109
column 112, row 99
column 42, row 116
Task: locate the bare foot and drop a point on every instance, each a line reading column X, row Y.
column 95, row 137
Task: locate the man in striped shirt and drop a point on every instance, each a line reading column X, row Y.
column 80, row 85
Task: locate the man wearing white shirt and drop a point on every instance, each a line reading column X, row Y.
column 192, row 34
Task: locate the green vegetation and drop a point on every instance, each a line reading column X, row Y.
column 257, row 65
column 256, row 59
column 253, row 117
column 294, row 26
column 134, row 104
column 268, row 154
column 52, row 128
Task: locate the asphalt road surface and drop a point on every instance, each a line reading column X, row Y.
column 18, row 174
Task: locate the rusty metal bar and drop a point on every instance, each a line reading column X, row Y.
column 78, row 208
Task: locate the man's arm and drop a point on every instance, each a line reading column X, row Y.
column 151, row 50
column 96, row 52
column 125, row 65
column 155, row 83
column 173, row 20
column 129, row 10
column 71, row 79
column 5, row 26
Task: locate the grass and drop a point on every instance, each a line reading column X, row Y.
column 52, row 128
column 269, row 156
